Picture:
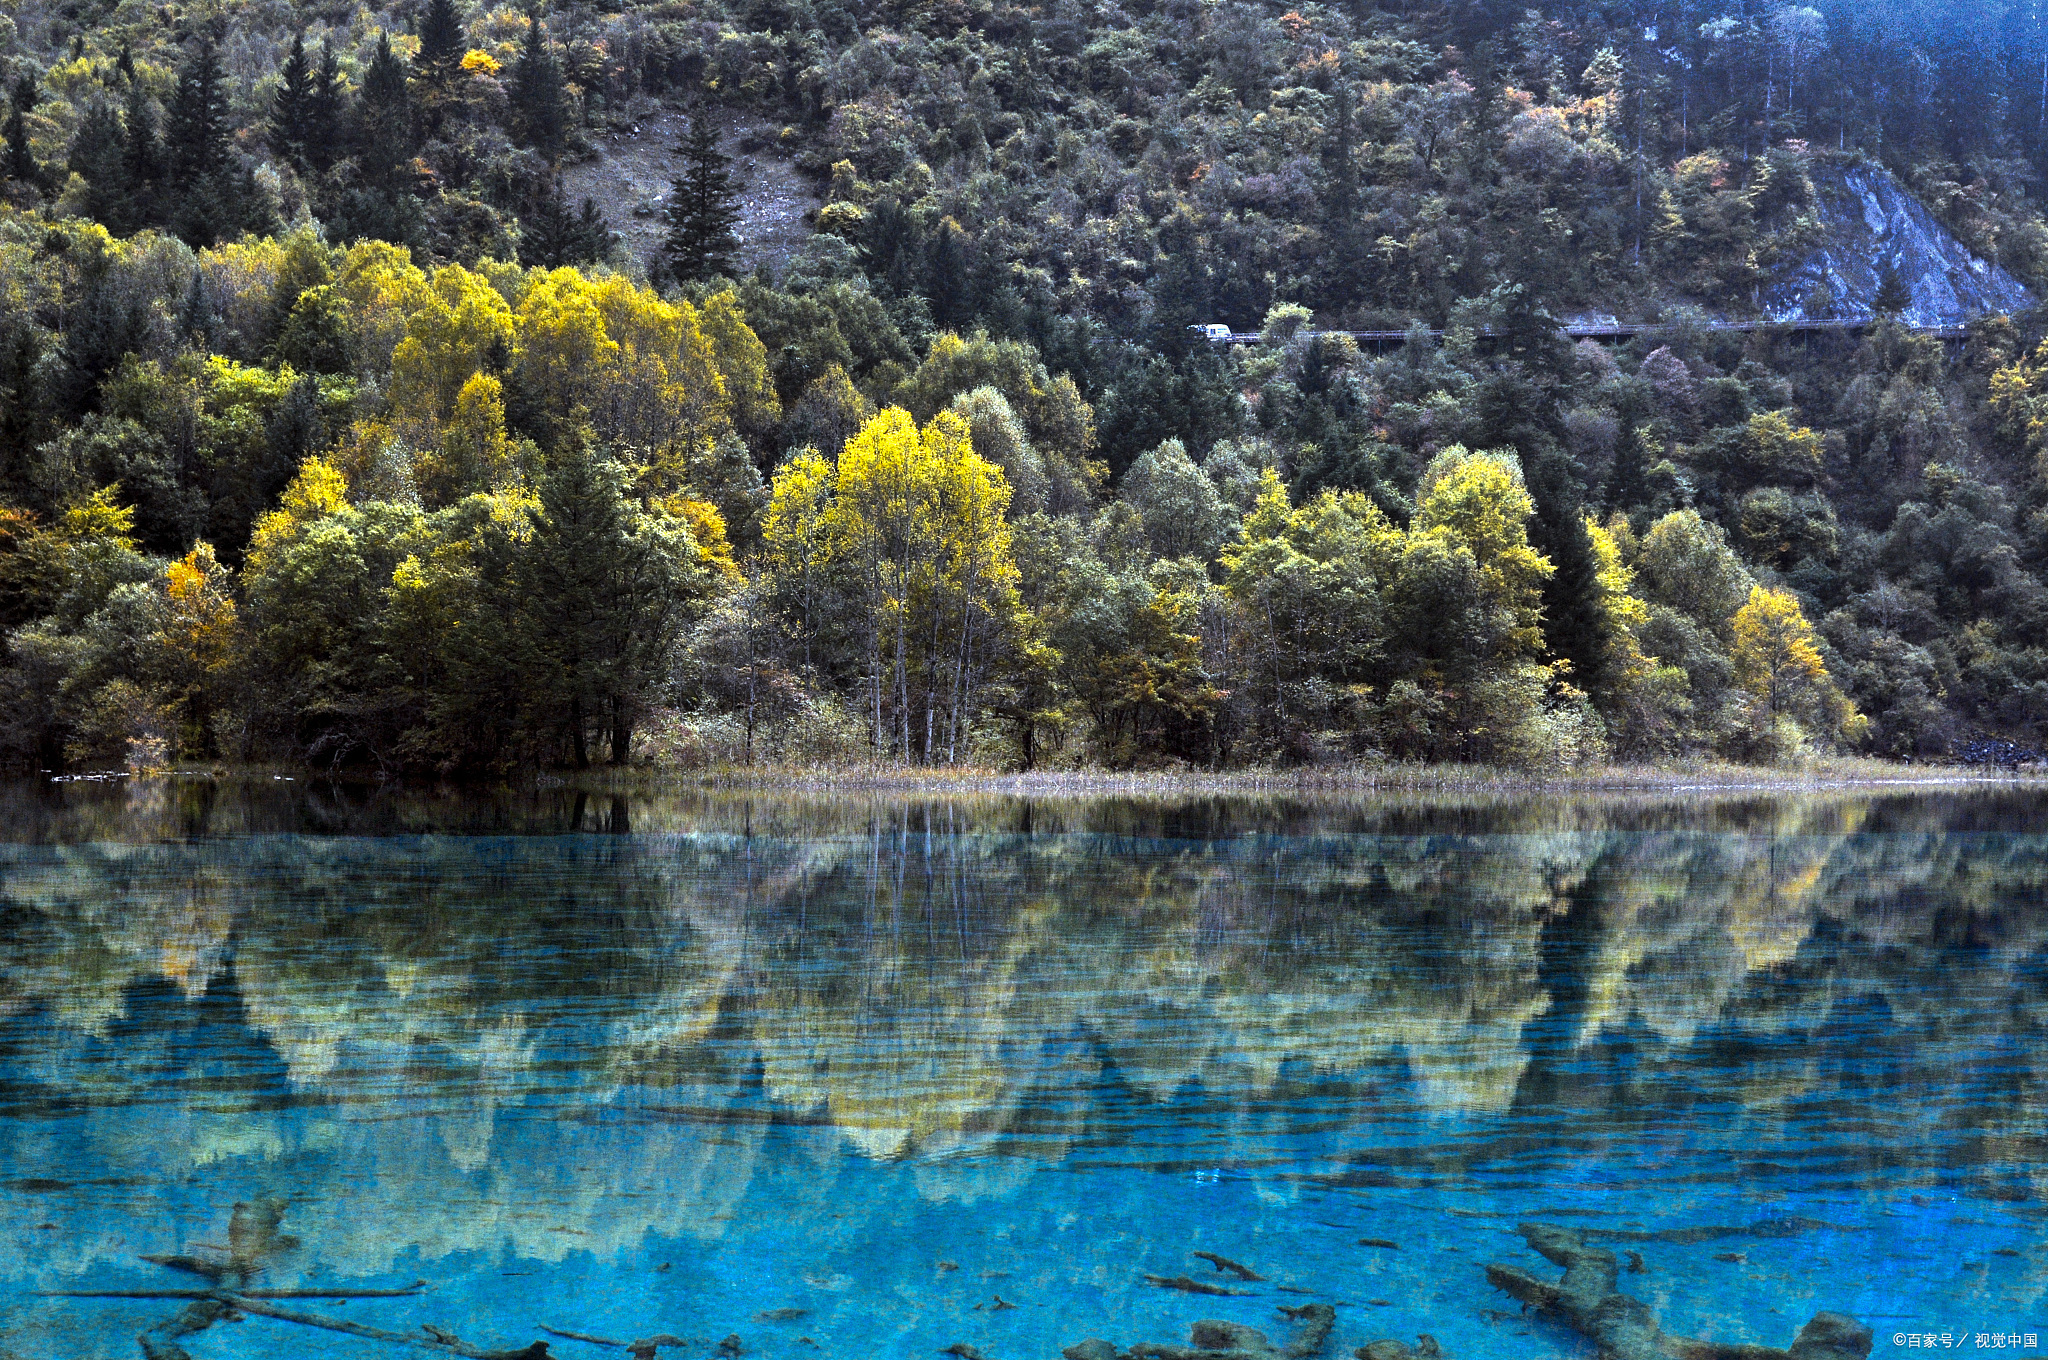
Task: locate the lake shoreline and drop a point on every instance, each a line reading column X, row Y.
column 1836, row 775
column 1847, row 775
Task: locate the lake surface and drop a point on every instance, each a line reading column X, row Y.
column 642, row 1065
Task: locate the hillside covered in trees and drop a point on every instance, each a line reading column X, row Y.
column 332, row 429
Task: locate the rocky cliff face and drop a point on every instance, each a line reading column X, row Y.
column 1871, row 221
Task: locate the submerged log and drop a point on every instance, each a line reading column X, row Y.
column 161, row 1341
column 1188, row 1286
column 256, row 1307
column 646, row 1347
column 1243, row 1272
column 582, row 1336
column 1317, row 1321
column 409, row 1291
column 1587, row 1299
column 191, row 1265
column 1791, row 1225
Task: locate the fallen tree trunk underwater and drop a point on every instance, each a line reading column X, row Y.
column 1588, row 1300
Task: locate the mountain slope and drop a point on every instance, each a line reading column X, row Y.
column 1871, row 221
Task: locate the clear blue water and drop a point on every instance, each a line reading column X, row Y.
column 639, row 1067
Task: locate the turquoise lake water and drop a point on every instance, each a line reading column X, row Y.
column 635, row 1066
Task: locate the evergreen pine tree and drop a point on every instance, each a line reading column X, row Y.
column 949, row 276
column 198, row 315
column 552, row 235
column 96, row 157
column 292, row 128
column 1571, row 609
column 539, row 117
column 441, row 41
column 18, row 159
column 545, row 229
column 125, row 63
column 593, row 232
column 701, row 209
column 1626, row 485
column 439, row 64
column 142, row 159
column 1893, row 296
column 324, row 105
column 208, row 181
column 1345, row 272
column 196, row 132
column 384, row 133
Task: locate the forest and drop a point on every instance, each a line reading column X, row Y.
column 337, row 429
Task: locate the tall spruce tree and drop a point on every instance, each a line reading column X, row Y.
column 213, row 190
column 196, row 132
column 441, row 41
column 142, row 158
column 18, row 160
column 1344, row 264
column 551, row 234
column 292, row 126
column 439, row 64
column 1893, row 294
column 702, row 209
column 96, row 155
column 540, row 117
column 384, row 123
column 324, row 106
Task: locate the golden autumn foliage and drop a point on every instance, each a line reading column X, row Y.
column 1776, row 661
column 910, row 526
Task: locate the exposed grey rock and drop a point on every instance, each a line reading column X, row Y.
column 1094, row 1348
column 1214, row 1339
column 1872, row 220
column 1425, row 1348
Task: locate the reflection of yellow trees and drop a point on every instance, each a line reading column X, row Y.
column 926, row 997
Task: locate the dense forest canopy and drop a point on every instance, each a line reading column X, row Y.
column 334, row 426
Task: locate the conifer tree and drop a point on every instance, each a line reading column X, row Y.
column 292, row 128
column 96, row 156
column 142, row 158
column 701, row 209
column 552, row 234
column 539, row 117
column 18, row 161
column 384, row 132
column 441, row 40
column 325, row 108
column 1893, row 296
column 1340, row 202
column 196, row 132
column 439, row 64
column 948, row 271
column 212, row 189
column 125, row 63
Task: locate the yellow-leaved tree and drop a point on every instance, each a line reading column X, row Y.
column 1466, row 605
column 908, row 531
column 1777, row 663
column 638, row 368
column 195, row 640
column 381, row 288
column 1642, row 698
column 1477, row 503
